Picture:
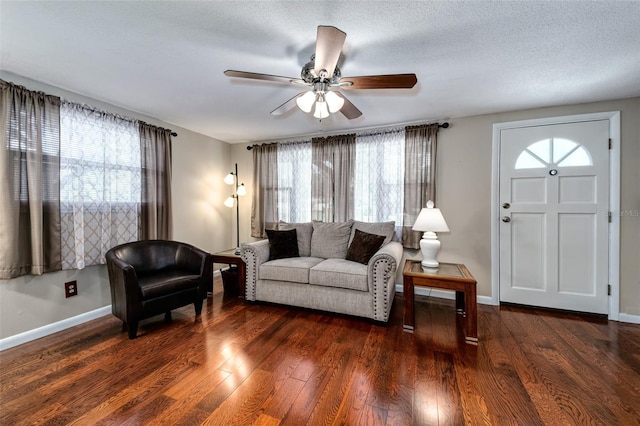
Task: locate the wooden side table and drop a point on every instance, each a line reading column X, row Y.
column 449, row 276
column 231, row 258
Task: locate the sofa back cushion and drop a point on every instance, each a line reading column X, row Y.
column 330, row 240
column 304, row 231
column 386, row 229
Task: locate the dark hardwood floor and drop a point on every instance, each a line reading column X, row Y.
column 261, row 364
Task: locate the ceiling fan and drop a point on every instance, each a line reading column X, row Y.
column 323, row 76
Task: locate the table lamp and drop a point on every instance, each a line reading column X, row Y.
column 430, row 221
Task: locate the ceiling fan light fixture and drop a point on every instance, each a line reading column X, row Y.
column 305, row 102
column 334, row 101
column 322, row 111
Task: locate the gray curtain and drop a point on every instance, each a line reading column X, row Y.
column 419, row 177
column 332, row 178
column 155, row 156
column 30, row 174
column 264, row 208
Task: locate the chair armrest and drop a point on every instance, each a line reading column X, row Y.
column 253, row 255
column 125, row 292
column 197, row 262
column 381, row 276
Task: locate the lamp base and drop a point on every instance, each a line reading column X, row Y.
column 430, row 246
column 428, row 265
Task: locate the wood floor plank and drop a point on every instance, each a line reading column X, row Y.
column 563, row 371
column 242, row 407
column 265, row 364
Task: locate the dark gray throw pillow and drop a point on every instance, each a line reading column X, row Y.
column 282, row 244
column 364, row 246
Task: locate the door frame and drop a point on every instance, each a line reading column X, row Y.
column 614, row 198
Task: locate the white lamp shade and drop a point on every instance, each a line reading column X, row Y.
column 241, row 190
column 229, row 179
column 322, row 111
column 430, row 220
column 229, row 202
column 305, row 102
column 334, row 101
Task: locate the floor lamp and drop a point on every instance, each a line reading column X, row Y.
column 240, row 190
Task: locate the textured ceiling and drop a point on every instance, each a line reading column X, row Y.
column 166, row 59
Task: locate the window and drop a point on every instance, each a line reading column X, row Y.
column 74, row 183
column 556, row 151
column 294, row 182
column 100, row 184
column 378, row 179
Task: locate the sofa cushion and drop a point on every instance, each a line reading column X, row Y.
column 340, row 273
column 294, row 269
column 330, row 240
column 304, row 231
column 364, row 246
column 388, row 229
column 282, row 244
column 166, row 282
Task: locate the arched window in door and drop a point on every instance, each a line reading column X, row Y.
column 555, row 152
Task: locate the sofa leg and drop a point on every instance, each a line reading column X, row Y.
column 167, row 316
column 198, row 306
column 132, row 329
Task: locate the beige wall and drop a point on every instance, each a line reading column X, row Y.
column 199, row 218
column 464, row 191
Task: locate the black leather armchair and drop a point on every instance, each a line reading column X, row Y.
column 151, row 277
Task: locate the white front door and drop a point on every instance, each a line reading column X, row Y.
column 553, row 233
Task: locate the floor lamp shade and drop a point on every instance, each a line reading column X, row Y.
column 430, row 221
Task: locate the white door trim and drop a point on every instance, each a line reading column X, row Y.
column 614, row 199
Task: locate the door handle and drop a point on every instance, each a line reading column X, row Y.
column 506, row 219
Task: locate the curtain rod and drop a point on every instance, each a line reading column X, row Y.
column 120, row 116
column 83, row 105
column 444, row 125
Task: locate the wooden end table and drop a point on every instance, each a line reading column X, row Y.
column 449, row 276
column 231, row 258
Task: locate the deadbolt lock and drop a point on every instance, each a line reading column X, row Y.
column 506, row 205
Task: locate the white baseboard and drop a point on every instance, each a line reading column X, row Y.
column 634, row 319
column 442, row 294
column 36, row 333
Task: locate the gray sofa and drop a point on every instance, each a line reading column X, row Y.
column 321, row 277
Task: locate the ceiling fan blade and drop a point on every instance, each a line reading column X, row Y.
column 291, row 103
column 329, row 43
column 389, row 81
column 267, row 77
column 349, row 110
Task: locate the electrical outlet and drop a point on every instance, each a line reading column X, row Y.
column 70, row 289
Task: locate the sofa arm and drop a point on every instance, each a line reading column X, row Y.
column 253, row 255
column 381, row 275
